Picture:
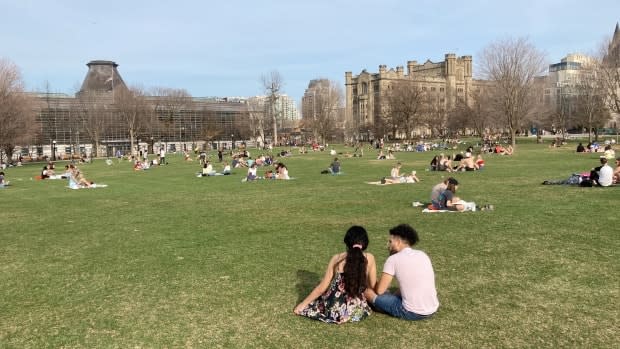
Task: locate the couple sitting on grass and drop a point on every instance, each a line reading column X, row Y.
column 350, row 282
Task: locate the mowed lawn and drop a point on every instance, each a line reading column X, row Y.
column 163, row 259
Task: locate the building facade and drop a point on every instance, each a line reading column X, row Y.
column 69, row 125
column 364, row 97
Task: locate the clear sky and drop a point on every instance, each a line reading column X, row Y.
column 222, row 48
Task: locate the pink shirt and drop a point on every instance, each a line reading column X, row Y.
column 416, row 278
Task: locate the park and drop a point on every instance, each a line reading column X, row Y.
column 162, row 258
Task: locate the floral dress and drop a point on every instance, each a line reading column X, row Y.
column 336, row 306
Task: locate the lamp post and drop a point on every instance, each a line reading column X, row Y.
column 138, row 147
column 54, row 150
column 368, row 133
column 232, row 138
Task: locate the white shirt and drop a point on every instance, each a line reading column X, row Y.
column 605, row 176
column 416, row 278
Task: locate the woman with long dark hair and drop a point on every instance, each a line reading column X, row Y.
column 339, row 297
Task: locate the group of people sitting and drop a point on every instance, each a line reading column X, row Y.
column 349, row 287
column 600, row 176
column 280, row 172
column 443, row 198
column 207, row 170
column 594, row 147
column 382, row 156
column 461, row 162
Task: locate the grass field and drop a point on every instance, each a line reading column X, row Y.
column 163, row 259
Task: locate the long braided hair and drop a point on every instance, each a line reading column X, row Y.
column 355, row 278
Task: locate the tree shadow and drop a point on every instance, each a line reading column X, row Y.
column 306, row 281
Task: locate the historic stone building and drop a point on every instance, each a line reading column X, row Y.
column 448, row 80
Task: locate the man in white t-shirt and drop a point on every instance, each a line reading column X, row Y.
column 416, row 298
column 602, row 175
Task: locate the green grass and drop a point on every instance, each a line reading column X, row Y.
column 164, row 259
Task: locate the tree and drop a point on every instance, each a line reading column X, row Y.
column 435, row 115
column 170, row 103
column 609, row 70
column 406, row 102
column 272, row 85
column 327, row 99
column 17, row 116
column 91, row 111
column 512, row 65
column 256, row 113
column 561, row 113
column 132, row 111
column 591, row 94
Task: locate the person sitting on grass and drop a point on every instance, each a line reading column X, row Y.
column 416, row 297
column 3, row 181
column 616, row 173
column 251, row 173
column 449, row 201
column 77, row 179
column 207, row 169
column 339, row 297
column 602, row 176
column 334, row 167
column 467, row 163
column 226, row 171
column 480, row 162
column 282, row 171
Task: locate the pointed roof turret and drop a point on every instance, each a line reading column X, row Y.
column 102, row 77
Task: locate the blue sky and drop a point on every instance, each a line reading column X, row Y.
column 221, row 48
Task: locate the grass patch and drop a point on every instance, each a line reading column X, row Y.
column 162, row 258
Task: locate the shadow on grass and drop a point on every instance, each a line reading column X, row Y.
column 306, row 281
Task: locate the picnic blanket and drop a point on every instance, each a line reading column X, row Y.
column 92, row 186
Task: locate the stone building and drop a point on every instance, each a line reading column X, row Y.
column 447, row 80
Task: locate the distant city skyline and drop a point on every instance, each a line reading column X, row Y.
column 222, row 49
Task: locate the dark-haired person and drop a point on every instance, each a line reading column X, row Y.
column 449, row 201
column 339, row 297
column 416, row 298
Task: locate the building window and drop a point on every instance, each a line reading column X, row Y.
column 433, row 89
column 441, row 89
column 459, row 90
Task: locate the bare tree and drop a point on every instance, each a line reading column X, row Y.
column 560, row 113
column 92, row 113
column 406, row 102
column 210, row 130
column 591, row 96
column 609, row 70
column 17, row 118
column 170, row 103
column 326, row 103
column 256, row 113
column 132, row 111
column 435, row 115
column 272, row 84
column 513, row 65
